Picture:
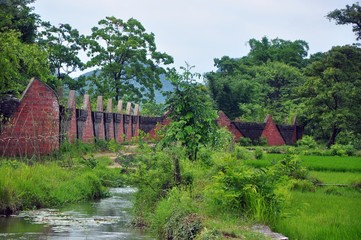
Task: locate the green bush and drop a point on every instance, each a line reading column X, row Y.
column 303, row 185
column 248, row 192
column 291, row 166
column 307, row 141
column 241, row 153
column 258, row 153
column 342, row 150
column 244, row 141
column 205, row 156
column 175, row 217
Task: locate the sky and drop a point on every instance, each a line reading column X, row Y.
column 197, row 31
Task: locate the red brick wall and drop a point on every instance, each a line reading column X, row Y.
column 271, row 133
column 224, row 121
column 34, row 127
column 101, row 131
column 153, row 134
column 71, row 124
column 120, row 133
column 88, row 131
column 110, row 121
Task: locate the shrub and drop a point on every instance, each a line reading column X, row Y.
column 241, row 153
column 307, row 141
column 244, row 141
column 303, row 185
column 222, row 140
column 258, row 153
column 248, row 192
column 205, row 157
column 342, row 150
column 291, row 166
column 174, row 217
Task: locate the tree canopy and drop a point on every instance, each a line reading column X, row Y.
column 332, row 93
column 18, row 16
column 127, row 59
column 349, row 15
column 262, row 82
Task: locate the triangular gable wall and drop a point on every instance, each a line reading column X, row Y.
column 271, row 133
column 34, row 126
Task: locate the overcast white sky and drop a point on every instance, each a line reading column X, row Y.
column 197, row 31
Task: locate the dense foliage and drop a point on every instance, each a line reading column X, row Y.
column 192, row 113
column 349, row 15
column 126, row 55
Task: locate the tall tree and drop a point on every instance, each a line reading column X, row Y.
column 332, row 93
column 349, row 15
column 279, row 83
column 127, row 58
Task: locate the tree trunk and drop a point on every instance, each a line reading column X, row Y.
column 177, row 172
column 332, row 139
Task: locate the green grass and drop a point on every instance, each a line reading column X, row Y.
column 318, row 215
column 336, row 177
column 316, row 163
column 50, row 185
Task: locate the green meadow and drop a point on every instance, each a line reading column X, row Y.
column 330, row 211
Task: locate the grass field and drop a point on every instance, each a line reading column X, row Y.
column 317, row 163
column 336, row 177
column 323, row 214
column 331, row 212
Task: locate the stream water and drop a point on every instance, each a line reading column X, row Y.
column 104, row 219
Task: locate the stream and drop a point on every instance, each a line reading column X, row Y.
column 104, row 219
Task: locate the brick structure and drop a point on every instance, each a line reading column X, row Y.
column 85, row 121
column 98, row 118
column 37, row 123
column 70, row 118
column 224, row 121
column 272, row 133
column 128, row 125
column 119, row 123
column 33, row 129
column 135, row 121
column 109, row 121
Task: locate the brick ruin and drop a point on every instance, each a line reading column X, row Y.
column 37, row 124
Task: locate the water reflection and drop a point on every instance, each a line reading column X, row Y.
column 104, row 219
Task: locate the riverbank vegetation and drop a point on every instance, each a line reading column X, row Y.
column 223, row 194
column 70, row 176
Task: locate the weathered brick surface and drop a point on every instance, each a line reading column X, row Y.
column 128, row 124
column 224, row 121
column 98, row 118
column 88, row 129
column 271, row 133
column 109, row 121
column 136, row 121
column 119, row 123
column 71, row 119
column 34, row 126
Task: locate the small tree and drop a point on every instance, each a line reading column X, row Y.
column 191, row 110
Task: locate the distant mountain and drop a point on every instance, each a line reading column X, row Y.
column 159, row 97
